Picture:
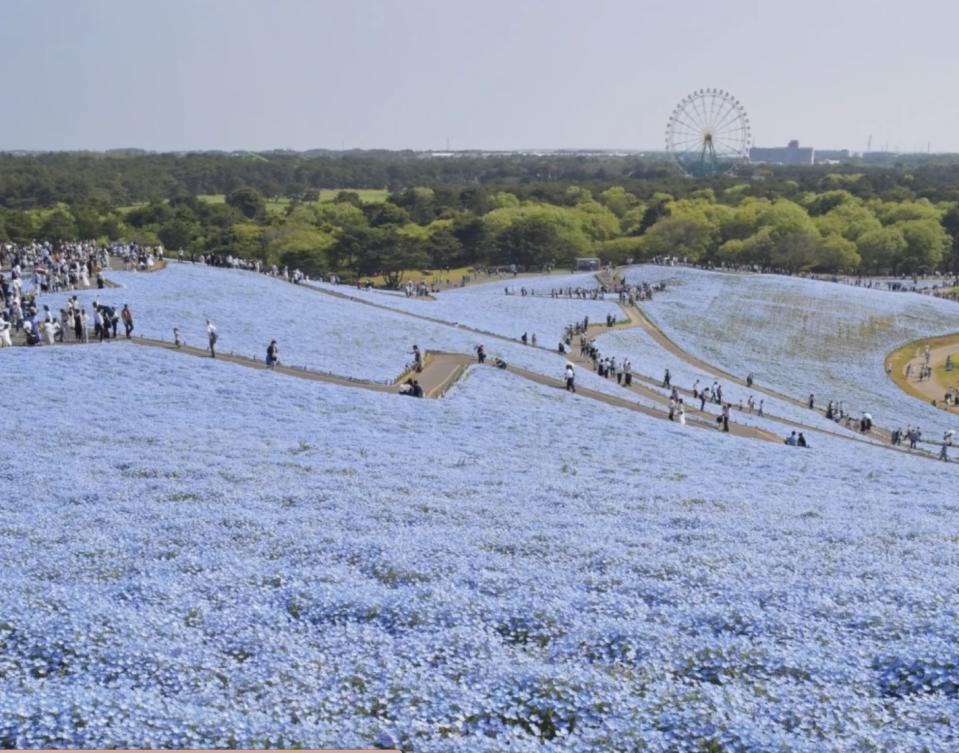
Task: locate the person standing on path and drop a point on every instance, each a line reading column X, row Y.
column 812, row 401
column 570, row 375
column 725, row 416
column 212, row 337
column 666, row 378
column 99, row 324
column 127, row 316
column 682, row 413
column 272, row 355
column 417, row 359
column 946, row 443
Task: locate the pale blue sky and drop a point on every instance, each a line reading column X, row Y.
column 490, row 74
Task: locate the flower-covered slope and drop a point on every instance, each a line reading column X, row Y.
column 196, row 554
column 802, row 336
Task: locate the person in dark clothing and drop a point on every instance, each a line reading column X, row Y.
column 417, row 389
column 127, row 317
column 801, row 441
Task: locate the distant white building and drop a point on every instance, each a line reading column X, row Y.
column 792, row 154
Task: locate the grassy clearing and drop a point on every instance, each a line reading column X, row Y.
column 898, row 359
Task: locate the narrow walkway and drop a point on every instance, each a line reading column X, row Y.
column 910, row 359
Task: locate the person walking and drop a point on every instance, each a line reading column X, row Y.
column 176, row 338
column 812, row 402
column 212, row 336
column 570, row 375
column 417, row 359
column 682, row 413
column 272, row 355
column 480, row 354
column 725, row 417
column 666, row 379
column 127, row 316
column 946, row 443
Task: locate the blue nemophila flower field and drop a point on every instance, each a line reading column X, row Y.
column 195, row 554
column 802, row 336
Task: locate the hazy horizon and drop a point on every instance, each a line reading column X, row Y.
column 425, row 75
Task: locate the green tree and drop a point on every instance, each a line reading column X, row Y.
column 177, row 234
column 618, row 200
column 248, row 202
column 950, row 223
column 837, row 254
column 59, row 225
column 880, row 249
column 399, row 254
column 443, row 249
column 849, row 219
column 532, row 242
column 685, row 233
column 926, row 243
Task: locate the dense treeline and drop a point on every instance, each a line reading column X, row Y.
column 112, row 180
column 527, row 211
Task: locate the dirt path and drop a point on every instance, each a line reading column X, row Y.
column 910, row 359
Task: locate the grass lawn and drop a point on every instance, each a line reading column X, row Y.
column 899, row 358
column 276, row 206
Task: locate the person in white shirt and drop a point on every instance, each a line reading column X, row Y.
column 5, row 341
column 212, row 336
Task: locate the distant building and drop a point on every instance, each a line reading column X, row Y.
column 587, row 264
column 832, row 156
column 793, row 154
